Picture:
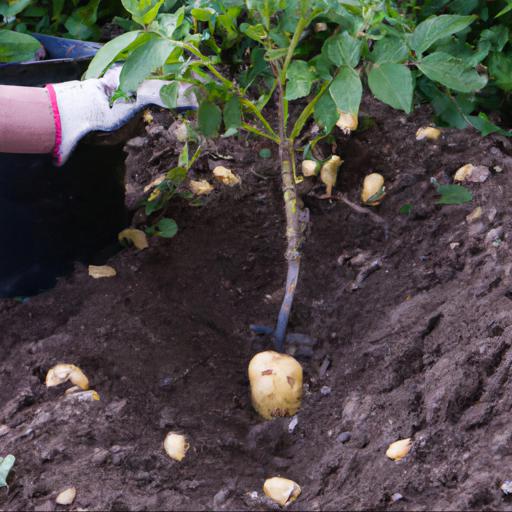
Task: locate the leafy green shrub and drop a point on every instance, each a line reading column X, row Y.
column 313, row 58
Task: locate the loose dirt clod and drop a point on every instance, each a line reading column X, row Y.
column 66, row 497
column 281, row 490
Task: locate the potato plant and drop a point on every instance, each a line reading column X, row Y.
column 308, row 59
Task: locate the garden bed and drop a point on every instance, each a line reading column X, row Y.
column 421, row 349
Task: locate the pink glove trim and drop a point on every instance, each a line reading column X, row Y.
column 58, row 126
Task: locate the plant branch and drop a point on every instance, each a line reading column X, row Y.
column 252, row 129
column 256, row 111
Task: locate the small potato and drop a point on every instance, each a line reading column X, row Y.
column 309, row 168
column 137, row 237
column 429, row 133
column 347, row 122
column 200, row 187
column 329, row 173
column 464, row 172
column 399, row 449
column 276, row 384
column 373, row 189
column 97, row 272
column 63, row 372
column 226, row 176
column 176, row 446
column 281, row 490
column 66, row 497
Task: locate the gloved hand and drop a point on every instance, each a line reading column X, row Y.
column 80, row 107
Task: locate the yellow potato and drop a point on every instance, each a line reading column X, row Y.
column 66, row 497
column 399, row 449
column 176, row 446
column 329, row 173
column 281, row 490
column 226, row 176
column 464, row 172
column 309, row 168
column 98, row 272
column 347, row 122
column 276, row 384
column 428, row 132
column 63, row 372
column 136, row 236
column 373, row 189
column 200, row 188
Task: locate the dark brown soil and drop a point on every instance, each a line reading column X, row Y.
column 422, row 349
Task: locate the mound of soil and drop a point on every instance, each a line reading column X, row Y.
column 414, row 340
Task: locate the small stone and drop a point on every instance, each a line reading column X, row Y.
column 396, row 497
column 66, row 497
column 165, row 383
column 491, row 214
column 480, row 174
column 506, row 487
column 293, row 424
column 344, row 437
column 493, row 235
column 474, row 215
column 325, row 390
column 4, row 430
column 99, row 457
column 476, row 228
column 454, row 245
column 136, row 143
column 221, row 497
column 498, row 169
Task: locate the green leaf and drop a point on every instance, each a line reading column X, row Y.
column 346, row 90
column 325, row 113
column 265, row 153
column 12, row 8
column 405, row 209
column 183, row 159
column 202, row 13
column 209, row 117
column 15, row 46
column 505, row 9
column 485, row 126
column 343, row 49
column 275, row 54
column 389, row 49
column 169, row 94
column 167, row 228
column 453, row 194
column 452, row 72
column 109, row 53
column 300, row 79
column 166, row 24
column 500, row 69
column 232, row 113
column 392, row 84
column 6, row 465
column 177, row 175
column 144, row 61
column 143, row 11
column 437, row 27
column 496, row 36
column 81, row 23
column 256, row 32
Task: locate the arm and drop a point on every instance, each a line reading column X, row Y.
column 54, row 119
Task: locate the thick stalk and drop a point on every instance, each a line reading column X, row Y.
column 294, row 231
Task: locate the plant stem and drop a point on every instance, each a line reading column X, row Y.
column 259, row 133
column 294, row 233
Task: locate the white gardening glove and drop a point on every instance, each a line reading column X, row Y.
column 80, row 107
